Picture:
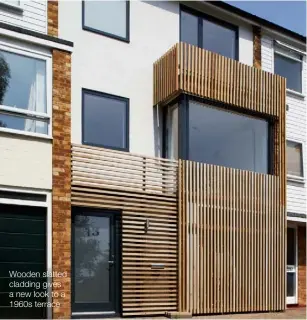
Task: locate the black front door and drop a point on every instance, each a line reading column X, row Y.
column 96, row 262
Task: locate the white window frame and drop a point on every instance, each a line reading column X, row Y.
column 13, row 7
column 293, row 300
column 291, row 177
column 285, row 51
column 15, row 111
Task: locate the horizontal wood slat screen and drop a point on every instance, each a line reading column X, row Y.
column 146, row 289
column 105, row 168
column 232, row 240
column 189, row 69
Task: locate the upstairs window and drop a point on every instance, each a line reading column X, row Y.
column 208, row 33
column 23, row 95
column 288, row 64
column 295, row 159
column 109, row 18
column 105, row 120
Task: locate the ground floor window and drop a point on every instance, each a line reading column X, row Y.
column 291, row 265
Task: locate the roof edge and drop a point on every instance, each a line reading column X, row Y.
column 263, row 22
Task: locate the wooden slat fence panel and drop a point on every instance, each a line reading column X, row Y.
column 231, row 229
column 103, row 168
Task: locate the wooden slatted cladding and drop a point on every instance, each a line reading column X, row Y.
column 144, row 189
column 231, row 222
column 119, row 170
column 232, row 240
column 189, row 69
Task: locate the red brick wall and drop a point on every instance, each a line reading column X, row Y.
column 301, row 265
column 52, row 18
column 61, row 180
column 257, row 47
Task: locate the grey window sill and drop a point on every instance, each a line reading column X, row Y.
column 295, row 93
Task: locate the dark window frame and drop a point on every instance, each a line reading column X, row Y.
column 127, row 112
column 288, row 56
column 107, row 34
column 183, row 126
column 292, row 176
column 201, row 15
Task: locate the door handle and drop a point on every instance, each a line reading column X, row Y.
column 111, row 262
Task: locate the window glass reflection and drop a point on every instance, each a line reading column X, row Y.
column 219, row 39
column 22, row 82
column 92, row 251
column 227, row 139
column 289, row 69
column 294, row 159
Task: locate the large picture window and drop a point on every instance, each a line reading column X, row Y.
column 213, row 135
column 105, row 120
column 295, row 159
column 109, row 18
column 227, row 139
column 208, row 33
column 23, row 93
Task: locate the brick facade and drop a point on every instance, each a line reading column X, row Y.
column 301, row 265
column 61, row 170
column 257, row 47
column 53, row 18
column 61, row 176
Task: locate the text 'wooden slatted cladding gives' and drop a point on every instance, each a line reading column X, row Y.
column 232, row 240
column 143, row 188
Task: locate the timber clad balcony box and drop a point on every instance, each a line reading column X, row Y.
column 192, row 70
column 196, row 238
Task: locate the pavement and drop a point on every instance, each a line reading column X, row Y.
column 292, row 313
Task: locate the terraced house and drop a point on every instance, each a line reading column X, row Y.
column 152, row 160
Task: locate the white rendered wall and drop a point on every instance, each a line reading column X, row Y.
column 124, row 69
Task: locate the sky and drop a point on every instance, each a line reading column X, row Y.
column 288, row 14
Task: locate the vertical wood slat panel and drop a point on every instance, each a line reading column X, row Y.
column 206, row 74
column 202, row 73
column 234, row 224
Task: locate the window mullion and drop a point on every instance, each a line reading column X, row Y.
column 23, row 112
column 200, row 32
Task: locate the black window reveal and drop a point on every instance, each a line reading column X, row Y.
column 208, row 33
column 105, row 120
column 109, row 18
